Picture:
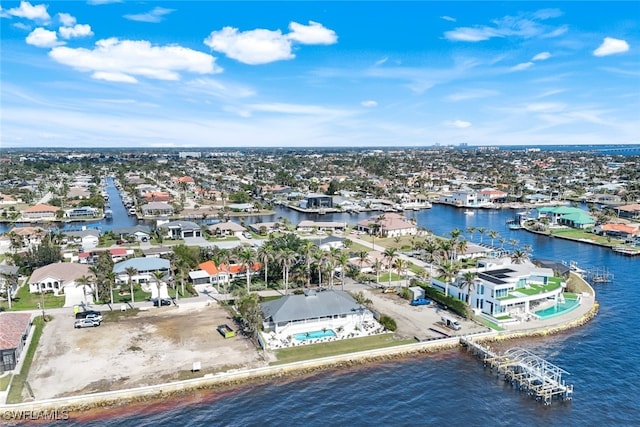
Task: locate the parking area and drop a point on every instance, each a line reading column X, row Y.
column 422, row 322
column 150, row 347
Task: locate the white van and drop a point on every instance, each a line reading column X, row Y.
column 451, row 323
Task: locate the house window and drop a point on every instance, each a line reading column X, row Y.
column 501, row 293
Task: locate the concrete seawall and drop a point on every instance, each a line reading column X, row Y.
column 77, row 404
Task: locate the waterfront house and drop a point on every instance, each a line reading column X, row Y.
column 145, row 269
column 327, row 242
column 264, row 227
column 81, row 212
column 461, row 198
column 53, row 278
column 227, row 228
column 313, row 311
column 180, row 229
column 490, row 196
column 316, row 201
column 87, row 238
column 156, row 196
column 503, row 288
column 307, row 226
column 14, row 331
column 388, row 225
column 28, row 237
column 621, row 231
column 156, row 208
column 631, row 211
column 40, row 211
column 567, row 216
column 140, row 233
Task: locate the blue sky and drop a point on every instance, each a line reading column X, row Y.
column 236, row 74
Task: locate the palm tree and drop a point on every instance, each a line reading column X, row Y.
column 343, row 260
column 265, row 255
column 247, row 259
column 402, row 265
column 493, row 235
column 481, row 230
column 448, row 270
column 431, row 247
column 157, row 277
column 10, row 280
column 390, row 255
column 519, row 256
column 287, row 258
column 83, row 281
column 110, row 278
column 130, row 272
column 471, row 231
column 377, row 267
column 307, row 250
column 468, row 282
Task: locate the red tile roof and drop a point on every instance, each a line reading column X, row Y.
column 12, row 327
column 212, row 270
column 118, row 251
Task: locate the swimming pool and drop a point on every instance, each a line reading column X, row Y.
column 558, row 309
column 315, row 334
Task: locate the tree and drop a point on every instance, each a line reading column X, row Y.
column 481, row 230
column 265, row 255
column 519, row 256
column 287, row 258
column 448, row 270
column 390, row 255
column 402, row 266
column 130, row 272
column 343, row 260
column 247, row 260
column 83, row 281
column 157, row 277
column 468, row 282
column 110, row 278
column 248, row 306
column 493, row 235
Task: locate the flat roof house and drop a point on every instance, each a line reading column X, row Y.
column 145, row 267
column 181, row 229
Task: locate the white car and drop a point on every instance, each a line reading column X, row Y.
column 86, row 323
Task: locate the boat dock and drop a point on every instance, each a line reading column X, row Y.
column 525, row 371
column 599, row 275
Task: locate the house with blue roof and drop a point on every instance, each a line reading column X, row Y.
column 145, row 269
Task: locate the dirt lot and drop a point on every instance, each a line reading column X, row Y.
column 148, row 348
column 416, row 321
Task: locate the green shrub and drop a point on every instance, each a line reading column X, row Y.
column 388, row 322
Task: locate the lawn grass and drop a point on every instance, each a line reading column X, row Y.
column 572, row 233
column 332, row 348
column 489, row 324
column 4, row 382
column 115, row 315
column 15, row 392
column 25, row 300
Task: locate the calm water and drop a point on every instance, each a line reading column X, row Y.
column 449, row 387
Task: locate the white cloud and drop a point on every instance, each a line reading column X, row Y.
column 262, row 46
column 448, row 18
column 459, row 124
column 22, row 26
column 42, row 37
column 218, row 89
column 541, row 56
column 381, row 61
column 66, row 19
column 545, row 107
column 299, row 109
column 521, row 66
column 611, row 46
column 156, row 15
column 114, row 77
column 369, row 103
column 78, row 30
column 314, row 33
column 28, row 11
column 251, row 47
column 101, row 2
column 524, row 25
column 114, row 59
column 471, row 94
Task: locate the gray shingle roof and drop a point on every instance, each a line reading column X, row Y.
column 314, row 305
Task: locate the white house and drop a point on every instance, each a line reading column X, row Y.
column 55, row 277
column 144, row 269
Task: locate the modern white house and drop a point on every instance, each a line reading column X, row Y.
column 87, row 238
column 503, row 288
column 181, row 229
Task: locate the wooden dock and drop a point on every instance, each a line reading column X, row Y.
column 525, row 371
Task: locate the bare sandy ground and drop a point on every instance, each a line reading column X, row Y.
column 152, row 347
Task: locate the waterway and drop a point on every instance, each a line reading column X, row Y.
column 450, row 387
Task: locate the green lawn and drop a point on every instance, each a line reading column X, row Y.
column 489, row 324
column 15, row 392
column 332, row 348
column 27, row 301
column 4, row 382
column 573, row 233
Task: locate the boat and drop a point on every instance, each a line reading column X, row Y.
column 108, row 214
column 132, row 211
column 514, row 224
column 469, row 212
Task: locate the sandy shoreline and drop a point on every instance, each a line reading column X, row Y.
column 187, row 392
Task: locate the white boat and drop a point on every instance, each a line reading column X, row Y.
column 469, row 212
column 132, row 211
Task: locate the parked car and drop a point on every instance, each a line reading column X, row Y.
column 86, row 323
column 94, row 314
column 163, row 301
column 421, row 301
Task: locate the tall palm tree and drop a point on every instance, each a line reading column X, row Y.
column 468, row 282
column 343, row 260
column 390, row 255
column 265, row 255
column 287, row 258
column 493, row 234
column 10, row 281
column 157, row 277
column 110, row 278
column 448, row 270
column 307, row 250
column 362, row 258
column 247, row 260
column 130, row 272
column 83, row 281
column 481, row 230
column 431, row 248
column 377, row 267
column 471, row 231
column 401, row 266
column 519, row 256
